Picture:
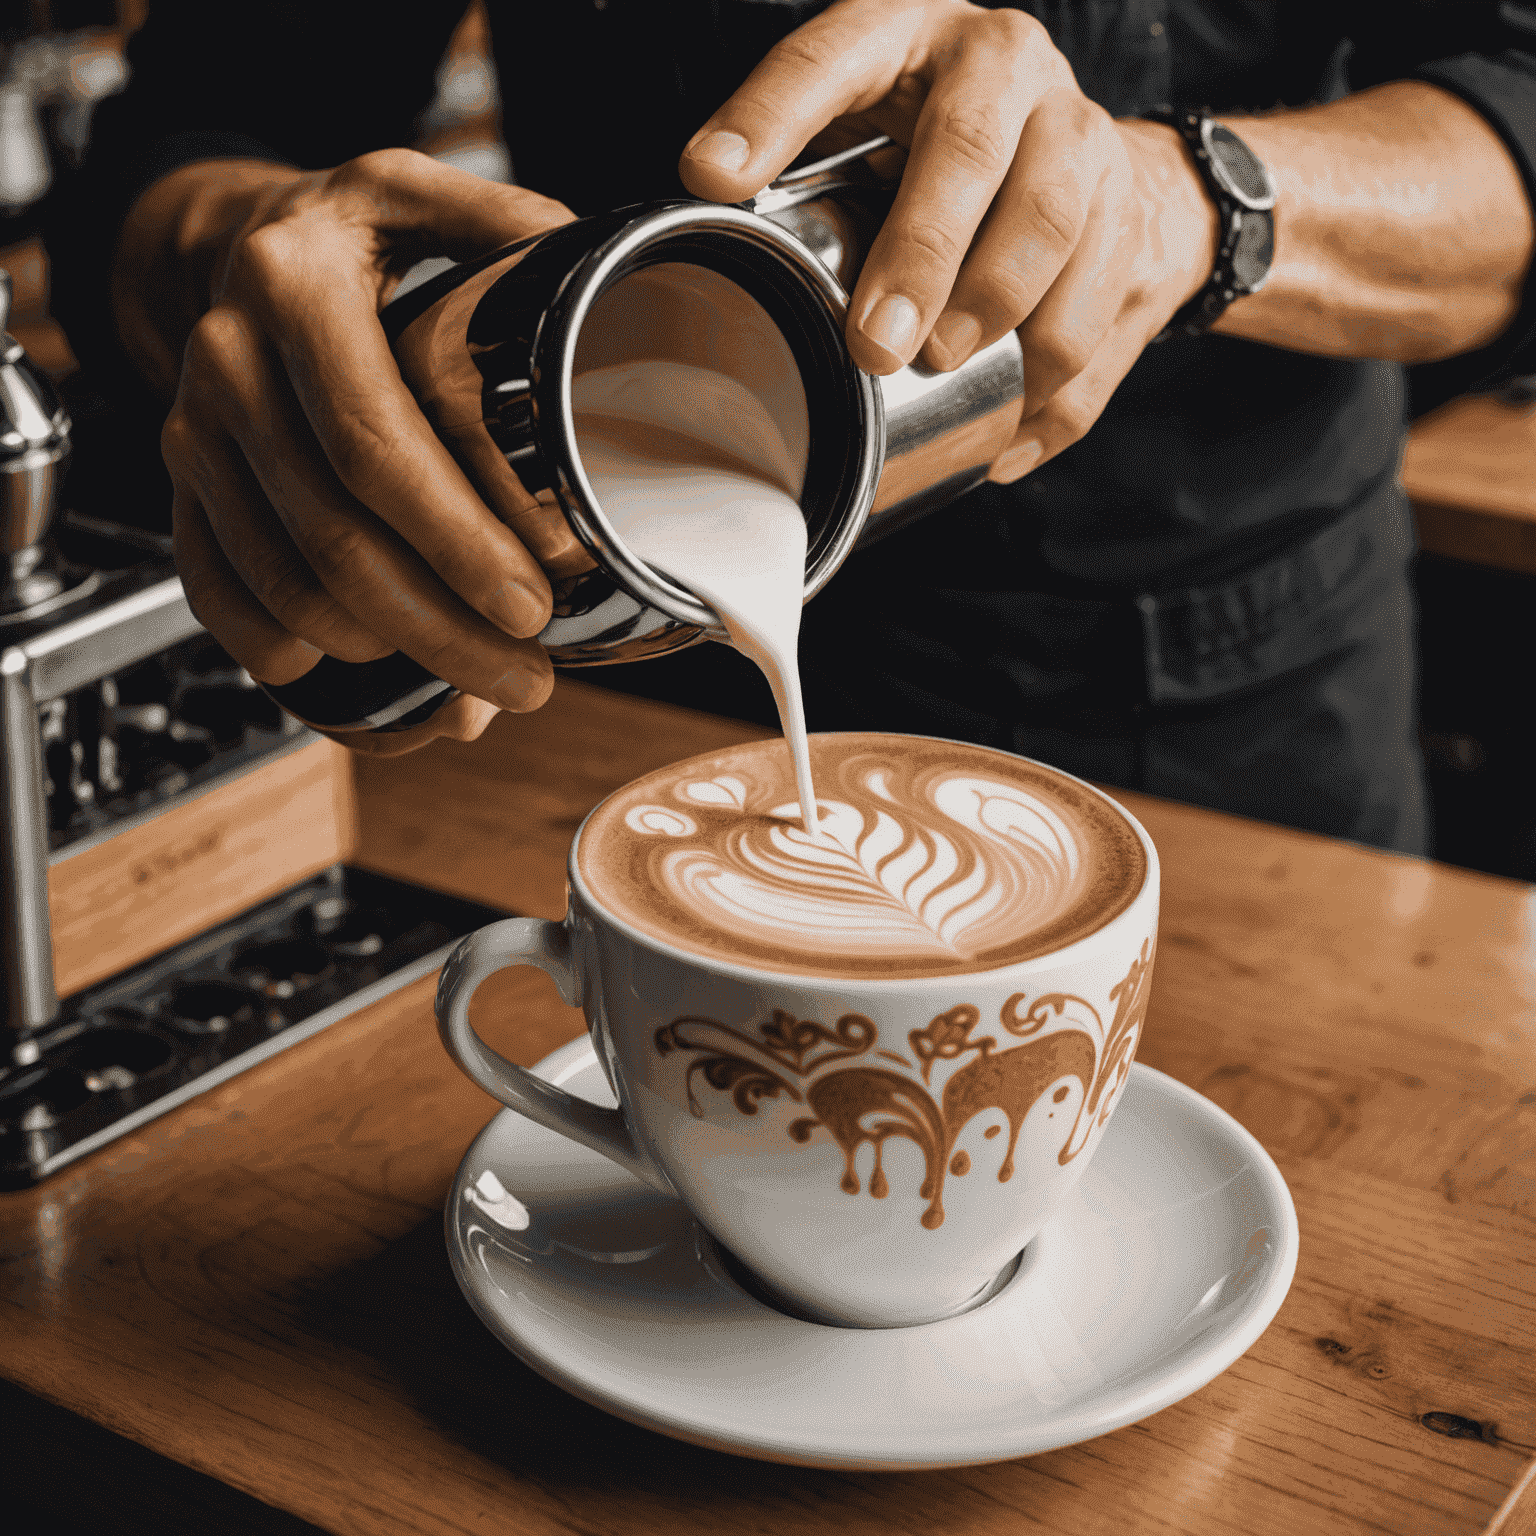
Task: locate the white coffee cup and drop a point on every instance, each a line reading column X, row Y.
column 876, row 1152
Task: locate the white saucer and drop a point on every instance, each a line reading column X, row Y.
column 1172, row 1255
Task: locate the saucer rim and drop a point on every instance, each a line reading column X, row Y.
column 1233, row 1341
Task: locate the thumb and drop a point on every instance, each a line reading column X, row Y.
column 714, row 162
column 846, row 60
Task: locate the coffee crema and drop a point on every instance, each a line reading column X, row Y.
column 935, row 858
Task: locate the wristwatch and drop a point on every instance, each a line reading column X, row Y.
column 1244, row 194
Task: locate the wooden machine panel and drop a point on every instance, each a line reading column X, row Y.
column 150, row 887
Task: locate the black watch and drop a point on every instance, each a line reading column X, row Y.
column 1244, row 194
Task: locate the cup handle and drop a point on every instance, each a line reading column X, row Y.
column 530, row 941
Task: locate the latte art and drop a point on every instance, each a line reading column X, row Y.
column 932, row 857
column 658, row 819
column 897, row 881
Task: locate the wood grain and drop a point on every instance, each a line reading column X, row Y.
column 256, row 1286
column 1470, row 471
column 493, row 819
column 153, row 886
column 1517, row 1514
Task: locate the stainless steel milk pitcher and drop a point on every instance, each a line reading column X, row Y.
column 490, row 348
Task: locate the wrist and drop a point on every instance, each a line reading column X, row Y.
column 1183, row 226
column 172, row 250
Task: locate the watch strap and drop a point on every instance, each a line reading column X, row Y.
column 1246, row 231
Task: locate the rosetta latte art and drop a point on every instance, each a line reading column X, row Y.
column 931, row 858
column 952, row 877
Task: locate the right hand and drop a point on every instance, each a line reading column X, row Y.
column 1022, row 206
column 315, row 510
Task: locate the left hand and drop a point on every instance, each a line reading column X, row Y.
column 315, row 511
column 1023, row 205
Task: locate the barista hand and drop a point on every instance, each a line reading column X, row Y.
column 1022, row 205
column 315, row 509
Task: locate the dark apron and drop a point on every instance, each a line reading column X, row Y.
column 1284, row 692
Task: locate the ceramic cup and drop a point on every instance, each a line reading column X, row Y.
column 876, row 1152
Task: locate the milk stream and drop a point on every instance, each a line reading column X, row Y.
column 696, row 478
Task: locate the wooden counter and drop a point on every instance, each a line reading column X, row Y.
column 256, row 1288
column 1470, row 471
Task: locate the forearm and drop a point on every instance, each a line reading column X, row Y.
column 172, row 243
column 1402, row 228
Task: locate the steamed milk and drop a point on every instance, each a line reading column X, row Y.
column 724, row 524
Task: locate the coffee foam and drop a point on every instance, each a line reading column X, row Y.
column 935, row 858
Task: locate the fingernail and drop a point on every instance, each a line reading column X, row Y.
column 1016, row 463
column 519, row 608
column 956, row 337
column 892, row 324
column 728, row 151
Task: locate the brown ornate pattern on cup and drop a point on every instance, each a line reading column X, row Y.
column 868, row 1103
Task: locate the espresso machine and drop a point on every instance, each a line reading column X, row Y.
column 178, row 901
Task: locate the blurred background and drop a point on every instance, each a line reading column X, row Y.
column 59, row 58
column 1470, row 468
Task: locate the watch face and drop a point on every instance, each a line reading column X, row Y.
column 1254, row 252
column 1241, row 172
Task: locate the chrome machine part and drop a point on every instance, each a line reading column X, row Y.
column 45, row 667
column 34, row 443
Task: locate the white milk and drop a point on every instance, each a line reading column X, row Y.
column 698, row 479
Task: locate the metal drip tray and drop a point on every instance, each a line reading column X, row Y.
column 151, row 1038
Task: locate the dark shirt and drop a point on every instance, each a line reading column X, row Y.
column 1111, row 567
